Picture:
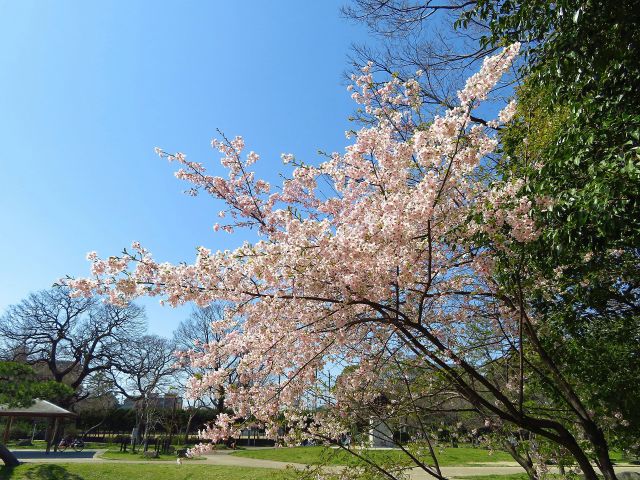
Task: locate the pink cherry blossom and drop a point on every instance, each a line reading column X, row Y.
column 390, row 256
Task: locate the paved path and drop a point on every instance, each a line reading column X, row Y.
column 461, row 472
column 223, row 458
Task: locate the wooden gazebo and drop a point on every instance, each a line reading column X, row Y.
column 39, row 409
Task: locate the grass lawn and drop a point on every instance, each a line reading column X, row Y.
column 37, row 445
column 619, row 457
column 107, row 471
column 42, row 445
column 320, row 455
column 114, row 453
column 512, row 476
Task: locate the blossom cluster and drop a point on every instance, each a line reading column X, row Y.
column 340, row 277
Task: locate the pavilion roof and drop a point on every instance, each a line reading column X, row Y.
column 40, row 408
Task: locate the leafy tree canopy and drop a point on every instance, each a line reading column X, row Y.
column 576, row 141
column 19, row 386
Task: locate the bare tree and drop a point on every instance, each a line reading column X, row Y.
column 101, row 401
column 413, row 35
column 143, row 374
column 194, row 334
column 68, row 339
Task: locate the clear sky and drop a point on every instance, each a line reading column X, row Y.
column 89, row 88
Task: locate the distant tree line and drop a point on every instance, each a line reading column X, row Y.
column 87, row 355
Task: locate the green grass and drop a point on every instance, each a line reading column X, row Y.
column 618, row 456
column 328, row 456
column 37, row 445
column 108, row 471
column 469, row 455
column 512, row 476
column 115, row 454
column 42, row 445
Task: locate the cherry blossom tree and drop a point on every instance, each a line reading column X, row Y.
column 382, row 253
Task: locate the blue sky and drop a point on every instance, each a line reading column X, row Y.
column 88, row 89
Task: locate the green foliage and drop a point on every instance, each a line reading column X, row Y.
column 15, row 384
column 19, row 386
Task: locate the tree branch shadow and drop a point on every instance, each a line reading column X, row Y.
column 38, row 472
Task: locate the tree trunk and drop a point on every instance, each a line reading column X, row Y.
column 7, row 430
column 220, row 400
column 186, row 432
column 48, row 433
column 147, row 423
column 596, row 438
column 9, row 459
column 525, row 463
column 583, row 461
column 86, row 432
column 54, row 434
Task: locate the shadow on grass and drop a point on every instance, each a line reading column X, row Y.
column 38, row 472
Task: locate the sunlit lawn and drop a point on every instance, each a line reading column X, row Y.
column 119, row 471
column 322, row 455
column 42, row 445
column 114, row 453
column 512, row 476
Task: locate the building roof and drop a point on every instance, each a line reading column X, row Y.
column 40, row 408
